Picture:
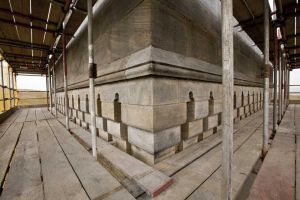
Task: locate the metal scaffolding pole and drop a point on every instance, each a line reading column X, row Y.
column 65, row 77
column 50, row 88
column 92, row 76
column 266, row 79
column 280, row 91
column 227, row 82
column 9, row 87
column 47, row 90
column 13, row 87
column 275, row 81
column 54, row 86
column 3, row 92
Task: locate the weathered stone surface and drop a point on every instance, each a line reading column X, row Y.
column 117, row 129
column 208, row 133
column 189, row 142
column 190, row 129
column 101, row 123
column 122, row 144
column 154, row 142
column 111, row 110
column 80, row 115
column 215, row 106
column 210, row 122
column 154, row 118
column 197, row 110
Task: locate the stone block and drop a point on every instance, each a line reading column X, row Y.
column 117, row 129
column 190, row 129
column 208, row 133
column 84, row 125
column 247, row 109
column 197, row 110
column 189, row 142
column 210, row 122
column 121, row 144
column 241, row 111
column 235, row 113
column 78, row 121
column 104, row 135
column 87, row 118
column 215, row 106
column 80, row 115
column 154, row 142
column 238, row 101
column 101, row 123
column 149, row 158
column 154, row 118
column 111, row 110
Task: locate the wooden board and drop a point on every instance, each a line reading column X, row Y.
column 60, row 181
column 47, row 114
column 31, row 115
column 7, row 145
column 276, row 177
column 24, row 180
column 39, row 114
column 22, row 116
column 97, row 182
column 8, row 122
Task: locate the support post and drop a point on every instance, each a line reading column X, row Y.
column 266, row 79
column 47, row 91
column 275, row 81
column 13, row 88
column 227, row 82
column 9, row 87
column 279, row 88
column 54, row 86
column 3, row 91
column 92, row 76
column 65, row 77
column 50, row 88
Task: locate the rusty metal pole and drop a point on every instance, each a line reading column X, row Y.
column 65, row 77
column 3, row 91
column 227, row 82
column 92, row 76
column 266, row 79
column 275, row 81
column 280, row 87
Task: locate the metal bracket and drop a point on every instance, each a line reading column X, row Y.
column 92, row 70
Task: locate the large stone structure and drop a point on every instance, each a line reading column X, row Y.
column 159, row 75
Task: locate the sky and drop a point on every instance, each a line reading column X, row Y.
column 31, row 82
column 295, row 80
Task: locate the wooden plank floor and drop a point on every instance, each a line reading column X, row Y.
column 40, row 159
column 276, row 178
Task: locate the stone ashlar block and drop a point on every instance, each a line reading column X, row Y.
column 117, row 129
column 87, row 118
column 197, row 110
column 191, row 129
column 210, row 122
column 111, row 110
column 215, row 106
column 235, row 113
column 121, row 144
column 149, row 158
column 80, row 115
column 154, row 118
column 154, row 142
column 78, row 121
column 238, row 102
column 247, row 109
column 104, row 135
column 101, row 123
column 208, row 133
column 189, row 142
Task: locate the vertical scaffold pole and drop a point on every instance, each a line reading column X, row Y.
column 65, row 77
column 50, row 87
column 275, row 80
column 227, row 82
column 266, row 79
column 54, row 86
column 92, row 76
column 2, row 82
